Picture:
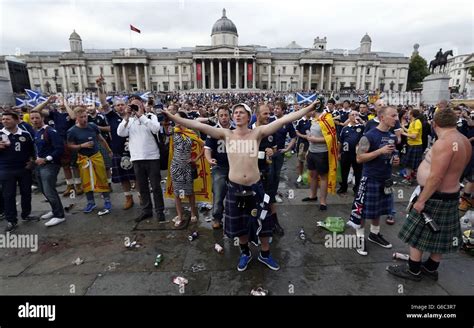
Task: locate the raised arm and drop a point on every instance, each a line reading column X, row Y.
column 100, row 90
column 193, row 124
column 266, row 130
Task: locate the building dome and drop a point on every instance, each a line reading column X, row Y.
column 224, row 25
column 366, row 38
column 75, row 36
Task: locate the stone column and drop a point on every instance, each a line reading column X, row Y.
column 228, row 74
column 40, row 74
column 300, row 82
column 358, row 78
column 364, row 69
column 237, row 86
column 462, row 80
column 194, row 74
column 309, row 76
column 116, row 78
column 245, row 73
column 30, row 77
column 124, row 75
column 147, row 78
column 269, row 76
column 398, row 79
column 254, row 74
column 68, row 75
column 180, row 77
column 211, row 63
column 376, row 83
column 220, row 73
column 137, row 74
column 79, row 77
column 63, row 75
column 322, row 77
column 330, row 78
column 86, row 78
column 203, row 69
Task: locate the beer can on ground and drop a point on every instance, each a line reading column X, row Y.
column 401, row 256
column 158, row 260
column 193, row 236
column 218, row 248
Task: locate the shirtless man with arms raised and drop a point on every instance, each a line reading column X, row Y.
column 246, row 198
column 438, row 177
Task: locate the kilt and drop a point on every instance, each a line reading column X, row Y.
column 413, row 157
column 445, row 213
column 239, row 221
column 376, row 203
column 119, row 174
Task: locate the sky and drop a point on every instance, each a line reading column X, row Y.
column 394, row 26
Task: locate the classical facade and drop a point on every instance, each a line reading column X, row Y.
column 458, row 70
column 222, row 66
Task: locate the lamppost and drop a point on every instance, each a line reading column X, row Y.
column 291, row 83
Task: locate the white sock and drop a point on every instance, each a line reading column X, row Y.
column 109, row 180
column 360, row 232
column 77, row 181
column 69, row 182
column 374, row 229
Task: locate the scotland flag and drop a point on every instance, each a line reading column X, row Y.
column 20, row 102
column 305, row 97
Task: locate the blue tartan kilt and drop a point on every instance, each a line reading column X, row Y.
column 241, row 221
column 376, row 203
column 413, row 157
column 119, row 174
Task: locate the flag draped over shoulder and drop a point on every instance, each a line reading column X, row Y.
column 328, row 128
column 203, row 184
column 133, row 28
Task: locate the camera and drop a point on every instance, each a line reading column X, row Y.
column 134, row 108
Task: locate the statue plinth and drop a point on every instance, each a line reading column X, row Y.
column 435, row 88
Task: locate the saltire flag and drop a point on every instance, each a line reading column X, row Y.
column 133, row 28
column 364, row 98
column 32, row 94
column 145, row 96
column 20, row 102
column 305, row 97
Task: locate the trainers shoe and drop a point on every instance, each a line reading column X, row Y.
column 390, row 220
column 89, row 208
column 54, row 221
column 107, row 205
column 431, row 274
column 465, row 204
column 300, row 178
column 269, row 262
column 362, row 250
column 402, row 271
column 244, row 261
column 47, row 216
column 10, row 227
column 379, row 240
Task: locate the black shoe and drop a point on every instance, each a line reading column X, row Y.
column 10, row 227
column 30, row 218
column 431, row 274
column 379, row 240
column 402, row 271
column 309, row 199
column 161, row 217
column 323, row 207
column 341, row 191
column 143, row 216
column 278, row 230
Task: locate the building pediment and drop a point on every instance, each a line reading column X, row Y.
column 224, row 50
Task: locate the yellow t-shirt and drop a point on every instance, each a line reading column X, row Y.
column 371, row 116
column 26, row 118
column 415, row 127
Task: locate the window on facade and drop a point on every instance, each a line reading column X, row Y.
column 352, row 85
column 45, row 72
column 367, row 85
column 400, row 87
column 176, row 85
column 392, row 85
column 384, row 72
column 56, row 72
column 343, row 70
column 164, row 70
column 459, row 72
column 73, row 69
column 273, row 69
column 185, row 85
column 114, row 86
column 112, row 70
column 457, row 82
column 75, row 87
column 353, row 70
column 393, row 72
column 294, row 69
column 101, row 70
column 154, row 86
column 341, row 85
column 368, row 71
column 332, row 85
column 89, row 69
column 176, row 69
column 283, row 86
column 165, row 86
column 59, row 88
column 265, row 69
column 284, row 71
column 153, row 70
column 184, row 69
column 333, row 70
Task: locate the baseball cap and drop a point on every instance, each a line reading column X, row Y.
column 245, row 106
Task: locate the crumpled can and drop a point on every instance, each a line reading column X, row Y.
column 259, row 292
column 180, row 281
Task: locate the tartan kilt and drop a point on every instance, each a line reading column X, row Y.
column 238, row 221
column 105, row 156
column 418, row 235
column 119, row 174
column 376, row 203
column 413, row 157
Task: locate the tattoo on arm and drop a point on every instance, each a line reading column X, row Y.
column 363, row 146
